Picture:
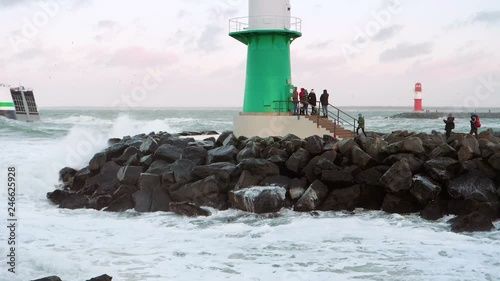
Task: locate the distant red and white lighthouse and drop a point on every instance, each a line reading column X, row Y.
column 418, row 98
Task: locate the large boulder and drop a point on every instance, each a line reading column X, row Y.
column 312, row 198
column 435, row 210
column 473, row 186
column 259, row 200
column 342, row 199
column 183, row 170
column 251, row 150
column 397, row 204
column 121, row 203
column 168, row 153
column 248, row 179
column 57, row 196
column 371, row 197
column 188, row 209
column 375, row 147
column 298, row 161
column 97, row 161
column 442, row 169
column 74, row 201
column 314, row 145
column 444, row 150
column 297, row 188
column 221, row 170
column 398, row 177
column 371, row 176
column 106, row 182
column 416, row 162
column 103, row 277
column 260, row 167
column 159, row 167
column 149, row 146
column 495, row 161
column 197, row 155
column 49, row 278
column 127, row 154
column 223, row 154
column 475, row 221
column 345, row 147
column 413, row 145
column 129, row 174
column 362, row 159
column 337, row 178
column 424, row 189
column 142, row 200
column 66, row 175
column 277, row 180
column 204, row 192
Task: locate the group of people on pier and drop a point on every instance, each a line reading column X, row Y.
column 303, row 99
column 475, row 124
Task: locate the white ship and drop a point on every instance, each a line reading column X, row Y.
column 18, row 103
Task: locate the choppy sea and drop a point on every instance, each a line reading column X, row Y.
column 229, row 245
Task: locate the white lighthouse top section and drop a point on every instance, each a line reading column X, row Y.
column 269, row 14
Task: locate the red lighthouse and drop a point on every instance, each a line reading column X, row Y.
column 418, row 98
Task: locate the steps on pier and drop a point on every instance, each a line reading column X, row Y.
column 336, row 129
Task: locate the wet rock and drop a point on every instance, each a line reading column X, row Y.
column 277, row 180
column 58, row 196
column 188, row 209
column 413, row 145
column 337, row 179
column 314, row 145
column 100, row 202
column 442, row 169
column 146, row 160
column 342, row 199
column 372, row 176
column 261, row 167
column 444, row 150
column 371, row 197
column 434, row 210
column 159, row 167
column 80, row 178
column 98, row 161
column 251, row 150
column 74, row 201
column 115, row 150
column 375, row 147
column 298, row 161
column 50, row 278
column 183, row 170
column 345, row 147
column 202, row 192
column 221, row 170
column 258, row 200
column 121, row 203
column 149, row 146
column 397, row 204
column 130, row 151
column 424, row 189
column 168, row 153
column 66, row 174
column 248, row 179
column 142, row 200
column 398, row 177
column 495, row 161
column 223, row 154
column 416, row 163
column 197, row 155
column 103, row 277
column 312, row 198
column 129, row 174
column 473, row 186
column 297, row 188
column 475, row 221
column 362, row 159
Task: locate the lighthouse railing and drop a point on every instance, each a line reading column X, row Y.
column 340, row 117
column 269, row 22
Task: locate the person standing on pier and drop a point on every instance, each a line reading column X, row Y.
column 295, row 101
column 312, row 101
column 361, row 124
column 450, row 125
column 324, row 103
column 474, row 123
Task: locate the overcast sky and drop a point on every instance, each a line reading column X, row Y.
column 163, row 53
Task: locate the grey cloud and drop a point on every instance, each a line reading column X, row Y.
column 387, row 33
column 405, row 50
column 8, row 3
column 488, row 17
column 320, row 44
column 209, row 38
column 107, row 24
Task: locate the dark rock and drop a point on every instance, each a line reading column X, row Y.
column 222, row 154
column 159, row 167
column 495, row 161
column 148, row 182
column 371, row 176
column 142, row 200
column 398, row 177
column 411, row 145
column 310, row 169
column 50, row 278
column 231, row 139
column 261, row 167
column 424, row 189
column 473, row 186
column 337, row 179
column 442, row 169
column 130, row 151
column 342, row 199
column 113, row 141
column 182, row 143
column 66, row 174
column 221, row 170
column 223, row 136
column 362, row 159
column 298, row 161
column 100, row 202
column 115, row 150
column 251, row 150
column 472, row 144
column 371, row 197
column 74, row 201
column 259, row 200
column 168, row 152
column 314, row 145
column 434, row 210
column 160, row 200
column 464, row 207
column 121, row 203
column 106, row 182
column 297, row 188
column 104, row 277
column 133, row 160
column 58, row 196
column 98, row 161
column 198, row 155
column 248, row 179
column 312, row 198
column 416, row 163
column 475, row 221
column 129, row 174
column 80, row 178
column 183, row 171
column 397, row 204
column 146, row 160
column 444, row 150
column 465, row 153
column 375, row 147
column 345, row 147
column 188, row 209
column 203, row 192
column 489, row 150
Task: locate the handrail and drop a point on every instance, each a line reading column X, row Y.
column 341, row 119
column 278, row 22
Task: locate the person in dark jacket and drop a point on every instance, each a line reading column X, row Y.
column 312, row 101
column 473, row 124
column 361, row 124
column 295, row 100
column 324, row 102
column 450, row 125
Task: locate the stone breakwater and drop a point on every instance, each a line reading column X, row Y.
column 400, row 172
column 436, row 115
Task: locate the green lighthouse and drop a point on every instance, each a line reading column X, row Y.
column 268, row 32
